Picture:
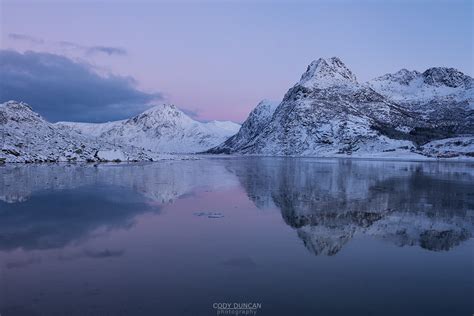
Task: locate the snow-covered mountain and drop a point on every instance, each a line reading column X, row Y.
column 163, row 128
column 329, row 113
column 413, row 88
column 443, row 96
column 26, row 137
column 253, row 126
column 326, row 113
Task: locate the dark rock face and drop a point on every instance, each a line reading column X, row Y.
column 450, row 77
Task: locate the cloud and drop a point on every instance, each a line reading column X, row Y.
column 23, row 263
column 108, row 50
column 62, row 89
column 106, row 253
column 27, row 38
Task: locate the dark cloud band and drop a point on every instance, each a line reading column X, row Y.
column 62, row 89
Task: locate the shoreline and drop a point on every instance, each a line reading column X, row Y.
column 177, row 157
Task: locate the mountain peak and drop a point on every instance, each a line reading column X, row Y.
column 12, row 104
column 164, row 113
column 404, row 72
column 162, row 107
column 323, row 73
column 18, row 111
column 451, row 77
column 403, row 76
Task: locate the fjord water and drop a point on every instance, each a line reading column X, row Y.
column 300, row 236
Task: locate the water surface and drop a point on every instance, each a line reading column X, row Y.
column 298, row 236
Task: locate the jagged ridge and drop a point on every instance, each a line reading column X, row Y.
column 328, row 112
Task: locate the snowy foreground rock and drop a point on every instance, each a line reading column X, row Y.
column 328, row 113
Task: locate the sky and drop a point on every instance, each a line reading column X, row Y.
column 105, row 60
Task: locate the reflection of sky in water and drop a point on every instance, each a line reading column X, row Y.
column 54, row 219
column 124, row 239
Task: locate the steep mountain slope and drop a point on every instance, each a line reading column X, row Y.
column 328, row 112
column 163, row 128
column 252, row 127
column 442, row 96
column 26, row 137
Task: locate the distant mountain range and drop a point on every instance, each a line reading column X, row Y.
column 328, row 113
column 26, row 137
column 163, row 129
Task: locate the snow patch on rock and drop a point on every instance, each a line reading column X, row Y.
column 111, row 155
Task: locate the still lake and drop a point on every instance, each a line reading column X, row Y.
column 296, row 236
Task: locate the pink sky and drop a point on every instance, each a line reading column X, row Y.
column 218, row 60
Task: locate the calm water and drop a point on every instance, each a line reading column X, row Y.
column 298, row 236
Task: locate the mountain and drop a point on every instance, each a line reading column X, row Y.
column 442, row 96
column 253, row 126
column 163, row 128
column 26, row 137
column 329, row 113
column 413, row 88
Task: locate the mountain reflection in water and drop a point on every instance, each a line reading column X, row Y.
column 327, row 202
